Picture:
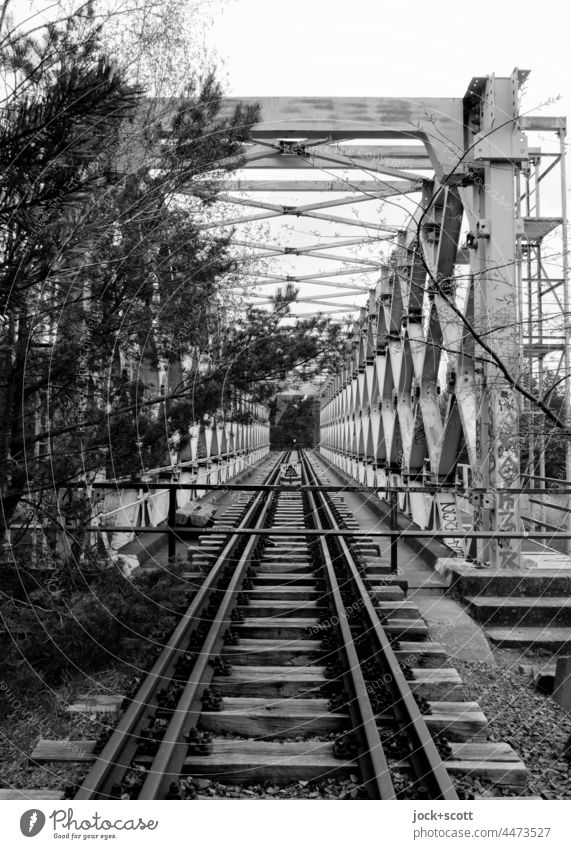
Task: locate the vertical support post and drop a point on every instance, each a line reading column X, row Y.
column 394, row 527
column 566, row 318
column 496, row 315
column 171, row 522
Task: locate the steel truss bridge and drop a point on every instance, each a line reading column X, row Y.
column 451, row 301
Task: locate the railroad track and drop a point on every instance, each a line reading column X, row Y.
column 298, row 659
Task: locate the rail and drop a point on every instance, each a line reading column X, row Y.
column 106, row 774
column 425, row 757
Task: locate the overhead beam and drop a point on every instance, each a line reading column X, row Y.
column 276, row 281
column 439, row 121
column 305, row 299
column 305, row 277
column 368, row 162
column 350, row 307
column 379, row 188
column 343, row 243
column 326, row 312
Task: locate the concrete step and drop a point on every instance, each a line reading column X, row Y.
column 530, row 582
column 521, row 611
column 552, row 639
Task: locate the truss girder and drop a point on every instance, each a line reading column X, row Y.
column 391, row 415
column 416, row 389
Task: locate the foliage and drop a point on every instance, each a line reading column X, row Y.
column 298, row 424
column 101, row 264
column 68, row 621
column 538, row 431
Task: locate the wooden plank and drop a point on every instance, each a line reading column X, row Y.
column 424, row 654
column 398, row 609
column 505, row 774
column 285, row 566
column 293, row 628
column 501, row 771
column 484, row 751
column 407, row 629
column 246, row 761
column 496, row 762
column 285, row 579
column 271, row 681
column 299, row 608
column 70, row 751
column 439, row 683
column 272, row 652
column 7, row 795
column 459, row 721
column 96, row 704
column 292, row 593
column 382, row 593
column 273, row 719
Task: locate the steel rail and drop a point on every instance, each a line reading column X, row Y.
column 425, row 757
column 119, row 751
column 168, row 762
column 374, row 766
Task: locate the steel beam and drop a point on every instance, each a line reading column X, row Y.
column 379, row 188
column 491, row 205
column 436, row 120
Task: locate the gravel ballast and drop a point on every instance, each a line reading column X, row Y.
column 530, row 721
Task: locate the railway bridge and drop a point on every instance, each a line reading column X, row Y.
column 457, row 288
column 301, row 653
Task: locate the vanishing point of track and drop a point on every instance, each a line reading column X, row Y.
column 279, row 670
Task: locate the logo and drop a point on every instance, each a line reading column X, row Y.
column 32, row 822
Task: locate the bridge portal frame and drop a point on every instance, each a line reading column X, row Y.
column 382, row 416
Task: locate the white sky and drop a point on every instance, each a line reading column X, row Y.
column 378, row 48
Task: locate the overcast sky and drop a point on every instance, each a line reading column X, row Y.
column 378, row 48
